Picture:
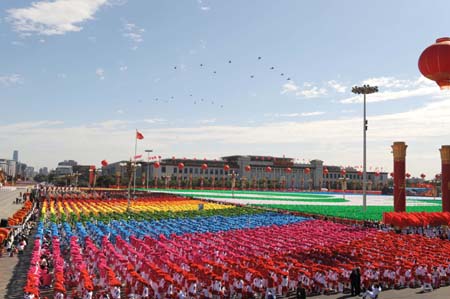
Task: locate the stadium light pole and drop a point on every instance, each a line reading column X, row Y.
column 148, row 167
column 364, row 90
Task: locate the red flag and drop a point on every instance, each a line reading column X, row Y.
column 139, row 135
column 137, row 157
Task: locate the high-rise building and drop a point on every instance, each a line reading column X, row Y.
column 12, row 165
column 43, row 171
column 29, row 172
column 16, row 155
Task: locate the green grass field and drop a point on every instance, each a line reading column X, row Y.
column 351, row 212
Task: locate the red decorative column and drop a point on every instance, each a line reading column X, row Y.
column 445, row 177
column 118, row 179
column 399, row 151
column 91, row 175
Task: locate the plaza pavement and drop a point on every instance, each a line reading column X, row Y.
column 9, row 265
column 441, row 293
column 7, row 205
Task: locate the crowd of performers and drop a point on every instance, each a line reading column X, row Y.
column 94, row 260
column 189, row 266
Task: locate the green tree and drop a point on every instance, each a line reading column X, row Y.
column 40, row 178
column 105, row 181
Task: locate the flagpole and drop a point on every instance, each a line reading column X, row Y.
column 134, row 169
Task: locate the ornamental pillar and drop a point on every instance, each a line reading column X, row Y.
column 399, row 151
column 445, row 177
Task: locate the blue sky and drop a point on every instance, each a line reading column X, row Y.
column 77, row 78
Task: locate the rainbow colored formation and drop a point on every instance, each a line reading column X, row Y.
column 166, row 245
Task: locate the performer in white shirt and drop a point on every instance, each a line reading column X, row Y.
column 115, row 292
column 372, row 294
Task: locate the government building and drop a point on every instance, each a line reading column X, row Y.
column 252, row 172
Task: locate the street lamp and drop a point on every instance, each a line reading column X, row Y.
column 96, row 172
column 148, row 167
column 233, row 176
column 365, row 89
column 134, row 166
column 119, row 180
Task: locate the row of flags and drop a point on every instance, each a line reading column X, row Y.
column 140, row 136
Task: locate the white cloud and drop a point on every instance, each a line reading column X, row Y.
column 336, row 141
column 133, row 33
column 155, row 120
column 53, row 17
column 392, row 89
column 308, row 90
column 303, row 114
column 315, row 113
column 62, row 76
column 120, row 111
column 203, row 5
column 100, row 73
column 337, row 86
column 123, row 68
column 8, row 80
column 289, row 87
column 17, row 43
column 207, row 121
column 311, row 92
column 348, row 111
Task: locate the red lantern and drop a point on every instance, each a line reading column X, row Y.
column 343, row 172
column 423, row 175
column 288, row 170
column 307, row 170
column 226, row 167
column 248, row 168
column 104, row 163
column 180, row 166
column 360, row 173
column 268, row 169
column 391, row 174
column 325, row 171
column 408, row 175
column 377, row 174
column 434, row 62
column 204, row 166
column 156, row 164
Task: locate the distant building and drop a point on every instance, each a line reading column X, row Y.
column 43, row 171
column 4, row 165
column 278, row 170
column 82, row 171
column 11, row 168
column 29, row 172
column 68, row 163
column 16, row 155
column 20, row 169
column 63, row 170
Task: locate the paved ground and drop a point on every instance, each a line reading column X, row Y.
column 11, row 268
column 442, row 293
column 6, row 202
